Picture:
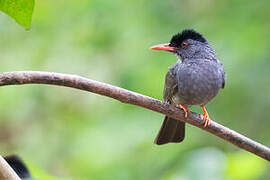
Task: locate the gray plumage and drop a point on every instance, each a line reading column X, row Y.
column 195, row 79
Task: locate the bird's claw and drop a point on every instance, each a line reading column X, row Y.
column 186, row 110
column 205, row 117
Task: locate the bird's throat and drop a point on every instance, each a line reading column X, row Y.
column 179, row 57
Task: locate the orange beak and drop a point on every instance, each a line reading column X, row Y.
column 164, row 47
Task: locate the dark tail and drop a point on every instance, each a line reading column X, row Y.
column 18, row 166
column 172, row 130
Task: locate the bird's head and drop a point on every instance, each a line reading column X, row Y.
column 188, row 44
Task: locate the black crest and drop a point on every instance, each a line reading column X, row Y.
column 184, row 35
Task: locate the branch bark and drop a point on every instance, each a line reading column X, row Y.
column 6, row 172
column 125, row 96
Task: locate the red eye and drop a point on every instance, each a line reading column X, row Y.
column 184, row 44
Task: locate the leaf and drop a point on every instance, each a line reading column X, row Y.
column 20, row 10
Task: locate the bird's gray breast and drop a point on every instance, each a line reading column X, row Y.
column 198, row 82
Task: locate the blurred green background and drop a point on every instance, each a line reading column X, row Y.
column 64, row 133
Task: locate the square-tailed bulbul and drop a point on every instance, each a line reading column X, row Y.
column 195, row 79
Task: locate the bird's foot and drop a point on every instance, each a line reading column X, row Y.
column 206, row 117
column 186, row 110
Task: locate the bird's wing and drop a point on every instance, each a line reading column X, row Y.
column 172, row 130
column 223, row 77
column 170, row 87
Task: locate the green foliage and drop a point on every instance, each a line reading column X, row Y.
column 244, row 166
column 38, row 173
column 20, row 10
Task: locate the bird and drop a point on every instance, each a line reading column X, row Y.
column 195, row 79
column 18, row 166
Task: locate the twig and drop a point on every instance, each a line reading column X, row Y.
column 125, row 96
column 6, row 172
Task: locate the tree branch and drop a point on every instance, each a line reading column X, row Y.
column 6, row 172
column 125, row 96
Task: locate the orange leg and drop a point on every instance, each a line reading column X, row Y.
column 184, row 109
column 205, row 117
